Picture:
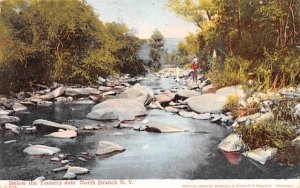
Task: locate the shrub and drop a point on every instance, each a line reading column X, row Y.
column 234, row 72
column 272, row 133
column 232, row 104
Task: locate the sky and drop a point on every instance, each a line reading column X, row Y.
column 144, row 16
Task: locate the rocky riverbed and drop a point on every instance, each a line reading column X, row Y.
column 163, row 127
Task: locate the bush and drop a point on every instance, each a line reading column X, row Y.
column 232, row 104
column 272, row 133
column 234, row 72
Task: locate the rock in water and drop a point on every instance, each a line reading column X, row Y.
column 49, row 126
column 261, row 155
column 8, row 119
column 187, row 93
column 17, row 107
column 75, row 170
column 207, row 103
column 105, row 148
column 171, row 109
column 11, row 126
column 121, row 109
column 162, row 128
column 186, row 114
column 41, row 150
column 140, row 93
column 77, row 92
column 205, row 116
column 41, row 178
column 4, row 112
column 231, row 143
column 63, row 134
column 226, row 91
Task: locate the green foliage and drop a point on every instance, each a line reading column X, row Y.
column 265, row 33
column 232, row 104
column 234, row 72
column 272, row 133
column 278, row 132
column 156, row 50
column 61, row 40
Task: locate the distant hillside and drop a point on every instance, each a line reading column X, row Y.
column 170, row 45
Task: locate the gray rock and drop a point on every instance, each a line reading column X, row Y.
column 206, row 89
column 261, row 155
column 60, row 169
column 171, row 109
column 17, row 107
column 121, row 109
column 205, row 116
column 140, row 93
column 10, row 141
column 108, row 93
column 162, row 128
column 8, row 119
column 186, row 114
column 41, row 150
column 192, row 85
column 41, row 178
column 231, row 143
column 69, row 176
column 77, row 92
column 4, row 112
column 103, row 88
column 14, row 128
column 63, row 134
column 105, row 148
column 187, row 93
column 207, row 103
column 49, row 126
column 44, row 103
column 296, row 141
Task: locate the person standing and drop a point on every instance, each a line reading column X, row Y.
column 195, row 67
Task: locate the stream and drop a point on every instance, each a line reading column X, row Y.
column 187, row 155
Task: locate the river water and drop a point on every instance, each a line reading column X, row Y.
column 187, row 155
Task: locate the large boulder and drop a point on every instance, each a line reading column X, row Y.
column 140, row 93
column 207, row 103
column 231, row 143
column 227, row 91
column 8, row 119
column 121, row 109
column 162, row 128
column 41, row 150
column 186, row 93
column 49, row 126
column 106, row 148
column 261, row 155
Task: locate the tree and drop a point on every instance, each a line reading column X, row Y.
column 156, row 49
column 64, row 41
column 262, row 32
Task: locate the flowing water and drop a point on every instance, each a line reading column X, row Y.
column 186, row 155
